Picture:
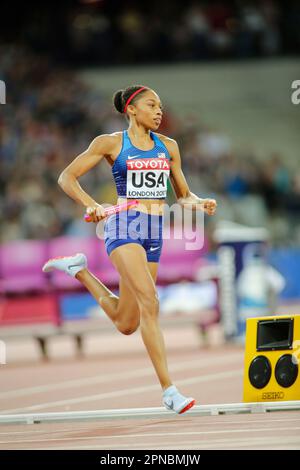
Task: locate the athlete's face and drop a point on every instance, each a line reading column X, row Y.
column 148, row 110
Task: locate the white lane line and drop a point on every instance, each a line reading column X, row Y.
column 90, row 447
column 104, row 378
column 146, row 435
column 227, row 423
column 200, row 445
column 166, row 426
column 124, row 392
column 13, row 433
column 230, row 444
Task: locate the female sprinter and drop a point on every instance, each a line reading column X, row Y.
column 134, row 255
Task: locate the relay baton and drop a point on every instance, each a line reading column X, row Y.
column 114, row 209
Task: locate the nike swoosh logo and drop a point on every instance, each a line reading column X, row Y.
column 153, row 249
column 169, row 403
column 129, row 158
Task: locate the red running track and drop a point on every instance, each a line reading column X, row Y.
column 117, row 373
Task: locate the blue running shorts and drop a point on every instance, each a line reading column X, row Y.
column 133, row 226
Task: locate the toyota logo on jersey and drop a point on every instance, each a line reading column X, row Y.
column 147, row 177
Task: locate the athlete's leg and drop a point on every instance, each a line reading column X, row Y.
column 123, row 310
column 124, row 305
column 172, row 399
column 142, row 286
column 157, row 341
column 137, row 290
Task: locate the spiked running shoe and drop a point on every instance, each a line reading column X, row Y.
column 173, row 400
column 69, row 264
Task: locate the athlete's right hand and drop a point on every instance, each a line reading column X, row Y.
column 95, row 212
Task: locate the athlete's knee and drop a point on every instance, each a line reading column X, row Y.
column 127, row 329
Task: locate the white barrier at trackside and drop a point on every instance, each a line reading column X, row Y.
column 152, row 413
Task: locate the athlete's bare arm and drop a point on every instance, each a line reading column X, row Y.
column 101, row 146
column 179, row 184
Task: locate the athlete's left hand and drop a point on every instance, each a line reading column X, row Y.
column 209, row 206
column 193, row 202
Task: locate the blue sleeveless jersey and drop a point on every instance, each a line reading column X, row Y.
column 142, row 174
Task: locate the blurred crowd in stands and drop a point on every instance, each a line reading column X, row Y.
column 118, row 32
column 51, row 117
